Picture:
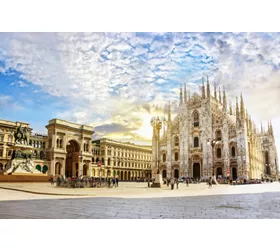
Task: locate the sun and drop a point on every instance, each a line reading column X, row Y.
column 146, row 130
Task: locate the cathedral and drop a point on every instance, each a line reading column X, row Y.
column 208, row 138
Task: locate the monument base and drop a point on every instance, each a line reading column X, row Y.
column 158, row 181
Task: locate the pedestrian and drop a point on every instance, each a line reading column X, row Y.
column 113, row 181
column 187, row 182
column 177, row 183
column 148, row 182
column 168, row 181
column 117, row 182
column 172, row 183
column 210, row 183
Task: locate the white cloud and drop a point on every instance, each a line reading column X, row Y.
column 104, row 75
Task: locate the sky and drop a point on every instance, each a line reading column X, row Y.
column 117, row 82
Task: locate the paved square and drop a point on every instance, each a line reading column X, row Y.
column 195, row 202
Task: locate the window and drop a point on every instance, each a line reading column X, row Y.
column 233, row 151
column 1, row 152
column 196, row 142
column 176, row 140
column 1, row 137
column 218, row 135
column 164, row 157
column 195, row 119
column 219, row 153
column 176, row 156
column 10, row 138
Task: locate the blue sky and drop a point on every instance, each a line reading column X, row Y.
column 118, row 81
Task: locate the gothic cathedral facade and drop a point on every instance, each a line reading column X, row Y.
column 208, row 139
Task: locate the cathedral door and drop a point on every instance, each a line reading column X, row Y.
column 234, row 173
column 164, row 173
column 219, row 172
column 176, row 173
column 196, row 170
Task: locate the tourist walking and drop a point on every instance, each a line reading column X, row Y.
column 117, row 182
column 210, row 183
column 148, row 180
column 177, row 183
column 187, row 182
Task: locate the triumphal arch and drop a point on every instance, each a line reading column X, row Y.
column 69, row 148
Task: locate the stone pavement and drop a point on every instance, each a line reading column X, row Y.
column 139, row 190
column 195, row 202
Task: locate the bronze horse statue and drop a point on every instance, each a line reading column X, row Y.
column 22, row 134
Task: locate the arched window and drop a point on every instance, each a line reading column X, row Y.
column 218, row 135
column 176, row 156
column 57, row 143
column 164, row 157
column 195, row 119
column 219, row 153
column 233, row 151
column 196, row 142
column 109, row 161
column 176, row 140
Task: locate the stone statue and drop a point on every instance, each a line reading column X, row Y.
column 22, row 134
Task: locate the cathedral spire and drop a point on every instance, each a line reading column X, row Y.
column 215, row 91
column 271, row 128
column 237, row 109
column 208, row 88
column 224, row 101
column 169, row 113
column 181, row 95
column 203, row 89
column 242, row 112
column 230, row 108
column 185, row 94
column 261, row 128
column 220, row 97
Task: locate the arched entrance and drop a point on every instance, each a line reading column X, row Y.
column 85, row 172
column 129, row 175
column 176, row 173
column 234, row 173
column 122, row 175
column 72, row 159
column 164, row 173
column 57, row 168
column 196, row 170
column 219, row 172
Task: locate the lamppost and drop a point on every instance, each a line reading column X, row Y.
column 156, row 123
column 212, row 143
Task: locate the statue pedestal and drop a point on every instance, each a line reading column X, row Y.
column 21, row 162
column 158, row 181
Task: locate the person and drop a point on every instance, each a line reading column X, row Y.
column 187, row 182
column 177, row 183
column 51, row 180
column 117, row 182
column 148, row 182
column 58, row 181
column 172, row 183
column 113, row 181
column 168, row 181
column 210, row 182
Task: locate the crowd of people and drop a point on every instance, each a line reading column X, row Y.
column 83, row 181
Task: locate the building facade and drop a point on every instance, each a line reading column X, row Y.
column 207, row 138
column 123, row 159
column 67, row 149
